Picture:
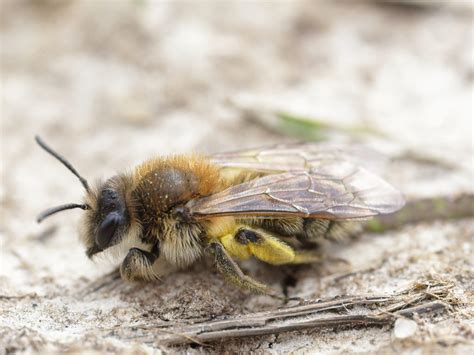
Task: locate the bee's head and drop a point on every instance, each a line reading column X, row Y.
column 108, row 218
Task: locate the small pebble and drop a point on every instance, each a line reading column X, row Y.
column 404, row 328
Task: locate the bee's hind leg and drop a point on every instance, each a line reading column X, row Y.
column 309, row 256
column 138, row 265
column 262, row 245
column 269, row 248
column 231, row 271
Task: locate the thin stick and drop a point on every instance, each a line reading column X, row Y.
column 333, row 313
column 254, row 325
column 425, row 210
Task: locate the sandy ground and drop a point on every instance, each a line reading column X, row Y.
column 110, row 83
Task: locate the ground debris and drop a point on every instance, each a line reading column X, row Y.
column 340, row 312
column 404, row 328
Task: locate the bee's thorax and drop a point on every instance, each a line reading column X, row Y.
column 164, row 184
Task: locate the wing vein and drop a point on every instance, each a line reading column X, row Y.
column 307, row 180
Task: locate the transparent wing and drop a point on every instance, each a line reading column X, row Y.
column 318, row 189
column 299, row 156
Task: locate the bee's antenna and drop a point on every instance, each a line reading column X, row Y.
column 53, row 210
column 62, row 160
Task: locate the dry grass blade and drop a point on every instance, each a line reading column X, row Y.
column 425, row 210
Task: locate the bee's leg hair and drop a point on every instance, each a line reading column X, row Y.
column 262, row 245
column 138, row 265
column 231, row 271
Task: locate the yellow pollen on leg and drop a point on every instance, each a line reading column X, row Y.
column 235, row 249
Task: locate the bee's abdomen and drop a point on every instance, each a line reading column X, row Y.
column 285, row 227
column 315, row 230
column 309, row 231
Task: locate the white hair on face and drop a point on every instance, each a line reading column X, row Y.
column 117, row 253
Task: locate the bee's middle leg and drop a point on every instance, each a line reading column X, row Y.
column 231, row 271
column 138, row 264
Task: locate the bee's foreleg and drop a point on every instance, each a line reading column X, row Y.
column 138, row 264
column 231, row 271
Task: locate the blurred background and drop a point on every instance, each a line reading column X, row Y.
column 111, row 83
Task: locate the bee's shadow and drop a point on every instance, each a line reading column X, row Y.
column 201, row 291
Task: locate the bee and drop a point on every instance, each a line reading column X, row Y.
column 276, row 204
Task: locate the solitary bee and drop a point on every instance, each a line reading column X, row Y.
column 275, row 203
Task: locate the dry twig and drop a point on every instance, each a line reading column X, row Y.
column 425, row 210
column 334, row 313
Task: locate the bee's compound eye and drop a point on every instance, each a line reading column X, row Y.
column 107, row 230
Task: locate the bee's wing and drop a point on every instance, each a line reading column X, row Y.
column 331, row 190
column 297, row 156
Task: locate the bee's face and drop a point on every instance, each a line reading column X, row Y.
column 108, row 220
